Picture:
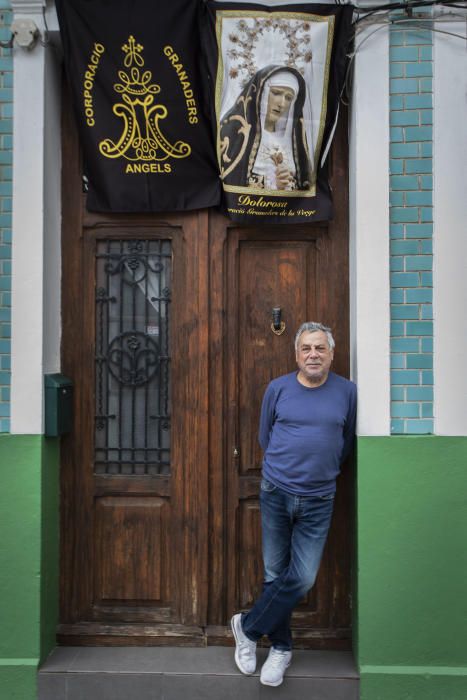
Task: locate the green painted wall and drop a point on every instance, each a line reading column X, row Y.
column 411, row 568
column 28, row 559
column 410, row 612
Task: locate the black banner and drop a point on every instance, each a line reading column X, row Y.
column 134, row 74
column 276, row 76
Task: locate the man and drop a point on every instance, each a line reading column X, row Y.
column 307, row 428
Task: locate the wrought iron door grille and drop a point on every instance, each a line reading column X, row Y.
column 132, row 422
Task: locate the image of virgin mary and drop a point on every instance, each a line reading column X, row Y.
column 263, row 142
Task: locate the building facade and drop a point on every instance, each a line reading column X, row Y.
column 407, row 287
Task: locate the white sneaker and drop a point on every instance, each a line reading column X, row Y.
column 274, row 667
column 245, row 649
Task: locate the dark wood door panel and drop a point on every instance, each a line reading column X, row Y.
column 250, row 569
column 132, row 555
column 262, row 274
column 134, row 543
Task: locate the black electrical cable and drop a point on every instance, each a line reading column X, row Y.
column 344, row 95
column 408, row 5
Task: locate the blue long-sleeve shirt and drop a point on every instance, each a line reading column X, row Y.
column 306, row 433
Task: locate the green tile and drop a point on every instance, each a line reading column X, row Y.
column 427, row 377
column 419, row 328
column 4, row 410
column 419, row 70
column 397, row 361
column 426, row 149
column 420, row 361
column 405, row 376
column 404, row 311
column 419, row 393
column 427, row 344
column 396, row 198
column 418, row 262
column 5, row 378
column 419, row 165
column 404, row 182
column 419, row 198
column 403, row 53
column 403, row 85
column 418, row 101
column 418, row 36
column 405, row 410
column 426, row 85
column 396, row 37
column 397, row 328
column 5, row 362
column 396, row 296
column 404, row 344
column 396, row 70
column 404, row 150
column 5, row 283
column 427, row 410
column 427, row 311
column 426, row 279
column 396, row 264
column 419, row 133
column 426, row 214
column 419, row 427
column 418, row 296
column 404, row 279
column 397, row 102
column 419, row 230
column 396, row 133
column 404, row 247
column 6, row 127
column 426, row 182
column 405, row 118
column 397, row 393
column 397, row 427
column 403, row 214
column 426, row 116
column 396, row 167
column 396, row 231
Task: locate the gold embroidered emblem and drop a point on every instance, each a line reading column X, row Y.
column 141, row 138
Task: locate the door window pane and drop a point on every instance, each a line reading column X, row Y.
column 133, row 292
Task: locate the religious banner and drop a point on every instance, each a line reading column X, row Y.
column 276, row 74
column 135, row 79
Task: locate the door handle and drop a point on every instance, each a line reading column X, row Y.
column 277, row 325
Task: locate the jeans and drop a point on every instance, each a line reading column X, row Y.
column 294, row 531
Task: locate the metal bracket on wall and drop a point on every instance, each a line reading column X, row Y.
column 25, row 33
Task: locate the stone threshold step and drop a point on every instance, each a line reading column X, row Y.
column 209, row 673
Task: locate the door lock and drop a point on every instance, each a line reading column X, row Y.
column 277, row 325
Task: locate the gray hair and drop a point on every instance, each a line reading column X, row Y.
column 312, row 327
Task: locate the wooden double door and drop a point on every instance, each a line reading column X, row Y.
column 167, row 336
